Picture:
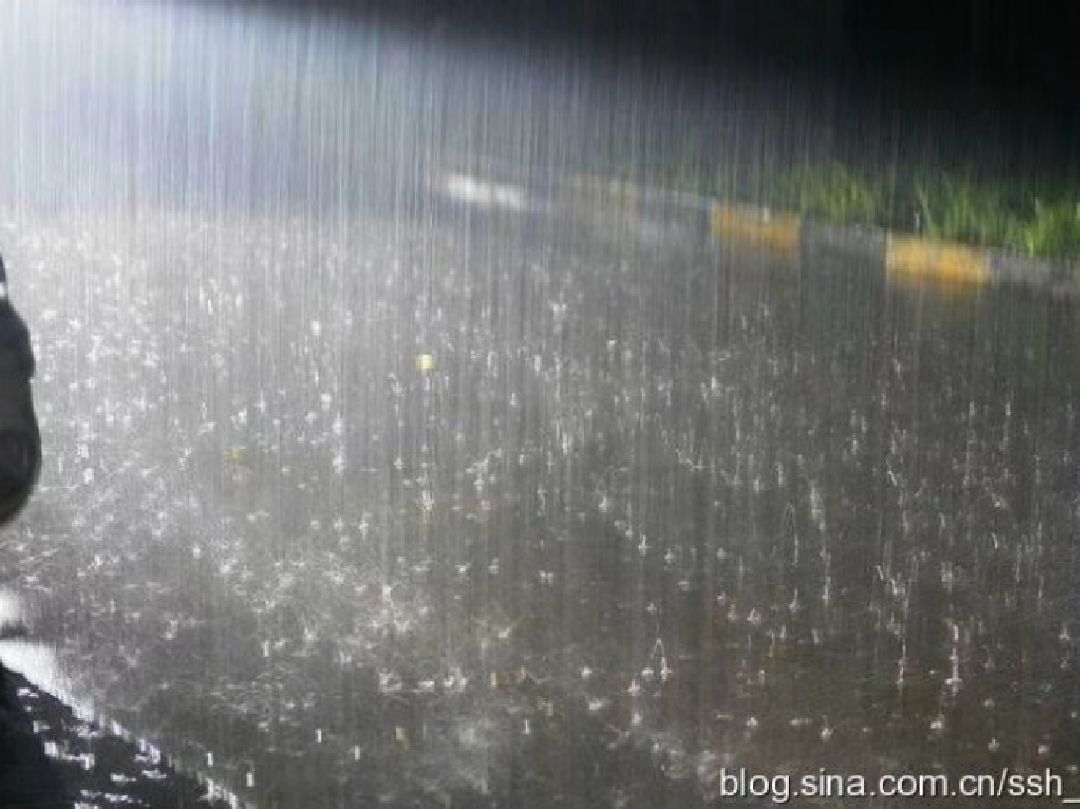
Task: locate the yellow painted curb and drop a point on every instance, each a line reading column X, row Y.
column 916, row 258
column 776, row 231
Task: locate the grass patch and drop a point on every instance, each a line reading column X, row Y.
column 1054, row 230
column 1036, row 221
column 832, row 193
column 1031, row 222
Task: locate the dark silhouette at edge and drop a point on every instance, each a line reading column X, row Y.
column 27, row 777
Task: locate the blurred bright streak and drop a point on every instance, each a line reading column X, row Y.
column 485, row 194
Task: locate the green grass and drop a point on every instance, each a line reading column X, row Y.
column 832, row 193
column 1038, row 221
column 1054, row 230
column 1032, row 222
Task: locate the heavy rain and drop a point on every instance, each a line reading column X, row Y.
column 374, row 474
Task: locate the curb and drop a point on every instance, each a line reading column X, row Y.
column 621, row 210
column 914, row 258
column 902, row 257
column 777, row 232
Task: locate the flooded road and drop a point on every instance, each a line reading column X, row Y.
column 354, row 495
column 484, row 511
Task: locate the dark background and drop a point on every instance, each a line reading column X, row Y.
column 1011, row 48
column 976, row 86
